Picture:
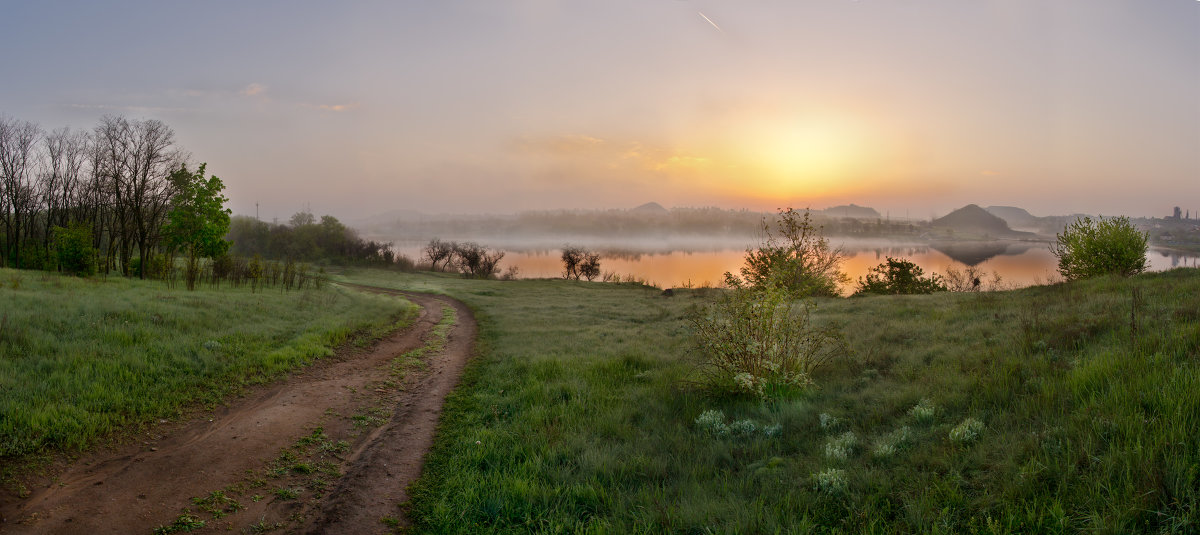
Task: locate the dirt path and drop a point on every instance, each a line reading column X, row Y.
column 330, row 449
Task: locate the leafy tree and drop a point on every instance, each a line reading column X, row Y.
column 198, row 219
column 1089, row 248
column 795, row 258
column 76, row 256
column 899, row 276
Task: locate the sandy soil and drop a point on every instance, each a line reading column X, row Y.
column 330, row 449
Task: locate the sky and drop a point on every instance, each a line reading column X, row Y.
column 913, row 107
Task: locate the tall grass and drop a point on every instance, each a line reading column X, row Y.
column 82, row 359
column 1028, row 411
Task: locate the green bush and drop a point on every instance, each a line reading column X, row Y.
column 899, row 276
column 762, row 344
column 76, row 256
column 1105, row 246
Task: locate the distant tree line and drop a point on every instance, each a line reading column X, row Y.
column 98, row 199
column 304, row 238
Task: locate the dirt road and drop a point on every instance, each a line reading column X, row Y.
column 330, row 449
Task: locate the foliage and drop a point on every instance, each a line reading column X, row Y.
column 73, row 246
column 764, row 344
column 198, row 220
column 795, row 257
column 1105, row 246
column 899, row 276
column 310, row 240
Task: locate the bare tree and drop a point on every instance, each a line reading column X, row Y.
column 59, row 183
column 18, row 162
column 572, row 257
column 135, row 159
column 439, row 251
column 590, row 267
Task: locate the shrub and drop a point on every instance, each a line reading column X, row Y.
column 899, row 276
column 794, row 258
column 76, row 256
column 1105, row 246
column 764, row 344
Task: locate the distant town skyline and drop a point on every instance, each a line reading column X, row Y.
column 912, row 108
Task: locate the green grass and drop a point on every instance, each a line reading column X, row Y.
column 86, row 359
column 1044, row 411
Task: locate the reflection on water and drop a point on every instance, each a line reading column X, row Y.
column 1019, row 264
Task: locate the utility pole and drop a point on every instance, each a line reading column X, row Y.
column 256, row 211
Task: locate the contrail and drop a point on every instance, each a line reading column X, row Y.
column 714, row 25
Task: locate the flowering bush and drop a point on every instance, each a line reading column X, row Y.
column 761, row 343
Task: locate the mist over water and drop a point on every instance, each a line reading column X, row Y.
column 697, row 261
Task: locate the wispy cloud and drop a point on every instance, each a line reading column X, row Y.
column 129, row 108
column 337, row 107
column 253, row 89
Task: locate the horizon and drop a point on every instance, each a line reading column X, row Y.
column 914, row 109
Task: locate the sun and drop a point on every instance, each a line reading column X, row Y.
column 804, row 154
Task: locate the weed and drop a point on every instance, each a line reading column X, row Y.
column 842, row 446
column 285, row 493
column 218, row 504
column 891, row 443
column 829, row 422
column 183, row 523
column 830, row 481
column 966, row 431
column 924, row 411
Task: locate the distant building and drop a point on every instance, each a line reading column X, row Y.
column 1177, row 213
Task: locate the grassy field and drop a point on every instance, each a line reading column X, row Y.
column 1054, row 409
column 82, row 360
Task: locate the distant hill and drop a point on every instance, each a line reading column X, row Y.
column 851, row 210
column 650, row 208
column 1015, row 217
column 971, row 219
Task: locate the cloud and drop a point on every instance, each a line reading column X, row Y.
column 561, row 145
column 337, row 107
column 130, row 108
column 254, row 89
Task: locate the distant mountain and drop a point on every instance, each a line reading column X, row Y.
column 851, row 210
column 1015, row 217
column 652, row 208
column 974, row 220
